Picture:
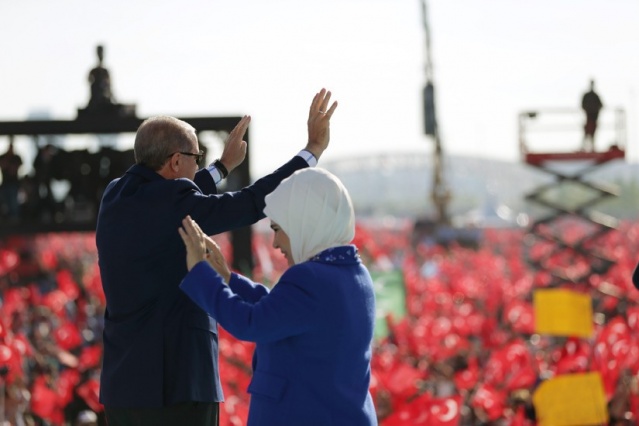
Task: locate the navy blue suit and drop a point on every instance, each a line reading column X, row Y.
column 159, row 347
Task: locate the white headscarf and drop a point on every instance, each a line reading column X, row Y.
column 314, row 209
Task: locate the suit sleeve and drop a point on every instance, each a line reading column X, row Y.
column 288, row 310
column 219, row 213
column 205, row 182
column 245, row 288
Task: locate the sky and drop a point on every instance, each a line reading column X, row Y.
column 491, row 61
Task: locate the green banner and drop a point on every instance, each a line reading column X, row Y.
column 390, row 296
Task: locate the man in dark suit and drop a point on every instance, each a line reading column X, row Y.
column 160, row 363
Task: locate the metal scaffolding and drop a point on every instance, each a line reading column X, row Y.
column 563, row 241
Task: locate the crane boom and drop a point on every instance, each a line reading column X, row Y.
column 439, row 192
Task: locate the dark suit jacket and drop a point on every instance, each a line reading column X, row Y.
column 159, row 347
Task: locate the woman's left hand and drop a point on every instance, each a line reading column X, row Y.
column 193, row 238
column 200, row 246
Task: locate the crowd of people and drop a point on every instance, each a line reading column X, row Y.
column 464, row 353
column 50, row 330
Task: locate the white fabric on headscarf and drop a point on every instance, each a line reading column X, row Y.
column 314, row 209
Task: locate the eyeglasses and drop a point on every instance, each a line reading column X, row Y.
column 198, row 157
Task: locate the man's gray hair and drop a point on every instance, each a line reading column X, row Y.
column 158, row 137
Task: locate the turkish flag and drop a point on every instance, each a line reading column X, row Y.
column 426, row 411
column 444, row 411
column 413, row 413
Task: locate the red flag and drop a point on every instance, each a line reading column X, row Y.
column 66, row 382
column 21, row 343
column 93, row 283
column 467, row 379
column 5, row 354
column 524, row 378
column 67, row 285
column 634, row 406
column 90, row 357
column 519, row 418
column 12, row 360
column 521, row 316
column 574, row 357
column 44, row 401
column 490, row 400
column 403, row 380
column 49, row 259
column 413, row 413
column 444, row 411
column 234, row 411
column 55, row 300
column 3, row 328
column 632, row 314
column 89, row 391
column 401, row 416
column 8, row 260
column 68, row 336
column 14, row 299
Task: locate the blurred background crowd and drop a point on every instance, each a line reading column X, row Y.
column 455, row 343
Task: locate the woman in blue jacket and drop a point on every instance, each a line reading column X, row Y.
column 313, row 331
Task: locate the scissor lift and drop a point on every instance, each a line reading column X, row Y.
column 563, row 242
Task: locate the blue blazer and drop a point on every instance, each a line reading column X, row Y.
column 159, row 347
column 313, row 334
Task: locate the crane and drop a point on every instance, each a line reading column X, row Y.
column 438, row 229
column 440, row 194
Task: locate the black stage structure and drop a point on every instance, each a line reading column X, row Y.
column 89, row 173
